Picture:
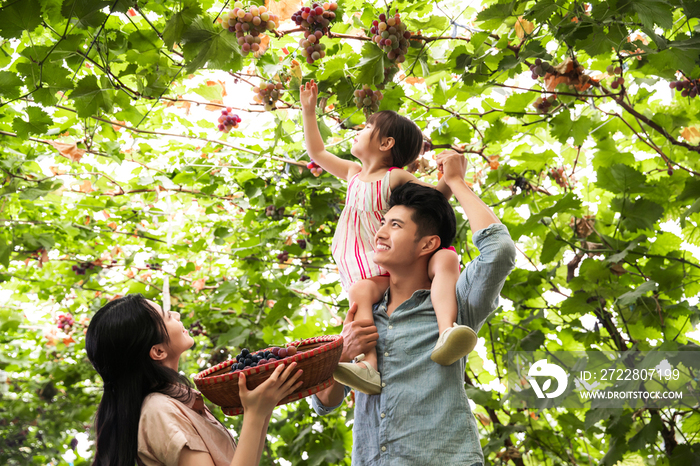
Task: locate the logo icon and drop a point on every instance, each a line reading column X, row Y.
column 542, row 368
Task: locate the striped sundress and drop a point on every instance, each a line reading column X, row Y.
column 352, row 245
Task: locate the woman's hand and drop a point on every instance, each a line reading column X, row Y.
column 266, row 396
column 308, row 93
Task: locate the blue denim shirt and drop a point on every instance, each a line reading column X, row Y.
column 422, row 416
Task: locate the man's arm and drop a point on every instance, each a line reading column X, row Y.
column 358, row 337
column 481, row 281
column 401, row 177
column 453, row 165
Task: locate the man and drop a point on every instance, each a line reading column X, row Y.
column 422, row 416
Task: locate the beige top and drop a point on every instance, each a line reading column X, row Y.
column 166, row 426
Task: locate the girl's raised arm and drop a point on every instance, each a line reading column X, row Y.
column 334, row 165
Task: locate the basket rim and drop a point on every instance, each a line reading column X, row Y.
column 206, row 379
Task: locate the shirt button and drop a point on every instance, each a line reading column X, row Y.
column 386, row 354
column 383, row 415
column 390, row 327
column 383, row 448
column 383, row 384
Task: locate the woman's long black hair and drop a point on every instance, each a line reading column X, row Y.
column 118, row 342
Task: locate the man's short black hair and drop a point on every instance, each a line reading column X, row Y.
column 432, row 213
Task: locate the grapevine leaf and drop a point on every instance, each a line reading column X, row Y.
column 89, row 97
column 9, row 84
column 371, row 65
column 88, row 13
column 203, row 46
column 620, row 178
column 38, row 122
column 652, row 12
column 180, row 22
column 563, row 127
column 550, row 248
column 631, row 296
column 17, row 17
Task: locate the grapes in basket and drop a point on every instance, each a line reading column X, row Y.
column 246, row 359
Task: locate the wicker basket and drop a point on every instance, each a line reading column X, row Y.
column 317, row 357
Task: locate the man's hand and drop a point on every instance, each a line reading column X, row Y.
column 308, row 93
column 358, row 336
column 453, row 166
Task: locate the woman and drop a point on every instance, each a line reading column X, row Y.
column 149, row 413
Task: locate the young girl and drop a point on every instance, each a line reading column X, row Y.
column 387, row 143
column 149, row 414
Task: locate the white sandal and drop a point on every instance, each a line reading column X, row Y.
column 364, row 379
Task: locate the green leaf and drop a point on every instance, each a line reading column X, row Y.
column 541, row 11
column 620, row 178
column 88, row 13
column 652, row 12
column 532, row 341
column 90, row 98
column 647, row 435
column 631, row 296
column 371, row 65
column 19, row 16
column 38, row 122
column 215, row 49
column 550, row 248
column 180, row 22
column 673, row 59
column 638, row 215
column 394, row 98
column 9, row 84
column 563, row 127
column 6, row 249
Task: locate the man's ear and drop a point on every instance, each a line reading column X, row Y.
column 429, row 244
column 158, row 352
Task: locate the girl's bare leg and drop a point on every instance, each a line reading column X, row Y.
column 455, row 341
column 365, row 294
column 443, row 270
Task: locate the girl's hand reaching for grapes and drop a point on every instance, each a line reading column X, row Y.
column 308, row 93
column 266, row 396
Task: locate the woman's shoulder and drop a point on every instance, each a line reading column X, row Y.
column 157, row 402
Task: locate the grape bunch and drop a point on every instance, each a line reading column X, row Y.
column 542, row 105
column 615, row 70
column 315, row 169
column 283, row 257
column 268, row 94
column 368, row 99
column 687, row 87
column 272, row 211
column 196, row 329
column 559, row 176
column 228, row 120
column 81, row 268
column 65, row 322
column 391, row 35
column 250, row 25
column 389, row 73
column 316, row 21
column 247, row 359
column 540, row 68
